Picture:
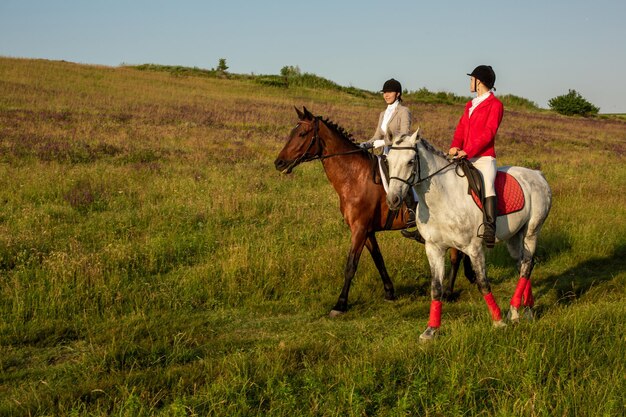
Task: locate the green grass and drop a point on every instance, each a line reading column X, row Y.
column 153, row 261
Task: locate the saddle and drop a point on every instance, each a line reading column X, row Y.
column 510, row 196
column 380, row 171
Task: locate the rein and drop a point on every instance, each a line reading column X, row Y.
column 417, row 169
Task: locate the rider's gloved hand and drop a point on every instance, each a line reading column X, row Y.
column 366, row 145
column 457, row 153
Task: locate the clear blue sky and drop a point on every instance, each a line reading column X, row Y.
column 539, row 48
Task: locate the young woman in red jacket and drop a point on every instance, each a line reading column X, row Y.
column 474, row 139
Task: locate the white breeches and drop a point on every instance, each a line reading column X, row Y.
column 382, row 173
column 487, row 167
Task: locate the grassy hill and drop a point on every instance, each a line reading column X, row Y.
column 153, row 262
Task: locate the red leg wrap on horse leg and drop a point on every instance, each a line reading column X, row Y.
column 516, row 300
column 529, row 300
column 435, row 314
column 493, row 307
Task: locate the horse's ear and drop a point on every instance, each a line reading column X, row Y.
column 416, row 136
column 308, row 114
column 300, row 114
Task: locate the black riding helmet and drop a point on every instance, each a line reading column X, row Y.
column 485, row 74
column 392, row 85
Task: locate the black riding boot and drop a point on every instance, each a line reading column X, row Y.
column 489, row 225
column 411, row 205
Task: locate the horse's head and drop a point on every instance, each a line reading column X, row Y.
column 302, row 145
column 403, row 161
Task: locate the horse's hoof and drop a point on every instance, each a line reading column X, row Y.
column 335, row 313
column 513, row 315
column 429, row 334
column 499, row 324
column 529, row 314
column 391, row 298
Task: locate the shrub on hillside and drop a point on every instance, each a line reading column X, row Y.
column 290, row 71
column 424, row 95
column 510, row 100
column 177, row 70
column 272, row 80
column 221, row 65
column 571, row 104
column 291, row 76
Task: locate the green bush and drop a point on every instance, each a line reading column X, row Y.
column 221, row 65
column 272, row 81
column 424, row 95
column 510, row 100
column 571, row 104
column 290, row 71
column 177, row 70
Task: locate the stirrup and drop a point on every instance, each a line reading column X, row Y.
column 413, row 234
column 409, row 234
column 488, row 235
column 411, row 221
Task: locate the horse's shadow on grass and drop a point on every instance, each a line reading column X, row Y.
column 571, row 284
column 421, row 284
column 419, row 287
column 550, row 245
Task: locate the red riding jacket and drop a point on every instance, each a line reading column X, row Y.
column 475, row 135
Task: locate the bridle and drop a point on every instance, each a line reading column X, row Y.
column 315, row 140
column 305, row 157
column 415, row 178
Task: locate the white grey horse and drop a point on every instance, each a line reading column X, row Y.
column 447, row 217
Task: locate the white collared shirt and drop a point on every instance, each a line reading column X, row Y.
column 477, row 100
column 388, row 112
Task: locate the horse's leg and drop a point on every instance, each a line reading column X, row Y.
column 455, row 261
column 456, row 257
column 359, row 236
column 514, row 245
column 372, row 245
column 527, row 265
column 468, row 270
column 436, row 259
column 478, row 263
column 523, row 289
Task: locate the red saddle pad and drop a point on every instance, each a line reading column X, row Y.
column 509, row 193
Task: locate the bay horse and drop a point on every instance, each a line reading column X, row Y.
column 448, row 217
column 362, row 201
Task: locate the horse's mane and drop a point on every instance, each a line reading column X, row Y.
column 347, row 136
column 338, row 129
column 429, row 146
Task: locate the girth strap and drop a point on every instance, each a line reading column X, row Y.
column 391, row 216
